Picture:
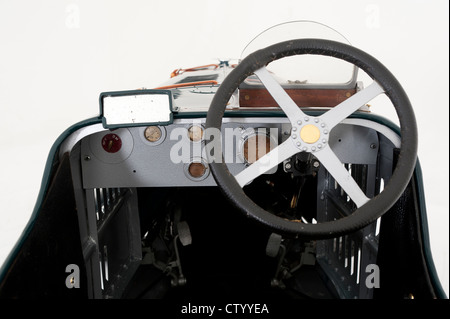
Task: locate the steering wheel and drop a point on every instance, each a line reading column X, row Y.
column 311, row 134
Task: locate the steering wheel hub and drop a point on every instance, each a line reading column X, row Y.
column 313, row 133
column 310, row 134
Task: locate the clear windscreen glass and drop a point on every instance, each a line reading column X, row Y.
column 306, row 70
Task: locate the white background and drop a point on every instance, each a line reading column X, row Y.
column 57, row 56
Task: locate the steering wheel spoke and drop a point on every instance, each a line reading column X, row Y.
column 343, row 177
column 285, row 102
column 267, row 162
column 343, row 110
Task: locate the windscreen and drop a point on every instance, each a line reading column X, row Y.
column 307, row 70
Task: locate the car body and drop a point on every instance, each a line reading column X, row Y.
column 151, row 199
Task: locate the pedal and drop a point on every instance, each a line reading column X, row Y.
column 185, row 238
column 273, row 245
column 184, row 233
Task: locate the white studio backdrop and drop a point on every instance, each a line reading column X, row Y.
column 56, row 56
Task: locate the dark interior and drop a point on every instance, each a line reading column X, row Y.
column 227, row 256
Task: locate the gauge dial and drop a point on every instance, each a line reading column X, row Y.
column 111, row 143
column 255, row 147
column 197, row 170
column 195, row 133
column 153, row 134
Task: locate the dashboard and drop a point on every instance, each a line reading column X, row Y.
column 175, row 154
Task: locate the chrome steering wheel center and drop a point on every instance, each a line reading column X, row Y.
column 309, row 134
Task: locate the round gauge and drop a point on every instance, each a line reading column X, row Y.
column 256, row 146
column 153, row 134
column 111, row 147
column 111, row 143
column 197, row 169
column 195, row 133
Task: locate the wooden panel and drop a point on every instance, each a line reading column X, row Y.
column 302, row 97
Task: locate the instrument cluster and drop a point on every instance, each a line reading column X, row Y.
column 171, row 155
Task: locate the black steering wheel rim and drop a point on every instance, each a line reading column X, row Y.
column 377, row 205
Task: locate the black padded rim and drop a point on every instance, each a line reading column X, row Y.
column 367, row 213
